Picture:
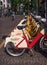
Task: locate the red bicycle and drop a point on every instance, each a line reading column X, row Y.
column 16, row 46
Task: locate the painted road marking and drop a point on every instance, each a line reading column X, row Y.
column 3, row 42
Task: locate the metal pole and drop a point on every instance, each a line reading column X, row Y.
column 45, row 8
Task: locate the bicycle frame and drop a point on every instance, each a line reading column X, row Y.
column 29, row 43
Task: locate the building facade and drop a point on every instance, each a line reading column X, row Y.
column 5, row 3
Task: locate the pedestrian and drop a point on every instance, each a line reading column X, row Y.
column 13, row 15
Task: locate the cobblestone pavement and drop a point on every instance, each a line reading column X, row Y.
column 39, row 58
column 7, row 25
column 25, row 59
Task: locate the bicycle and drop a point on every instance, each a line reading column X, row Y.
column 16, row 45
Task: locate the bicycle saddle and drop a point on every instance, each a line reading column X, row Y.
column 21, row 27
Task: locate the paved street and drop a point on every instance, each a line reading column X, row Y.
column 6, row 26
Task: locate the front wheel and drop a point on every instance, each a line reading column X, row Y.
column 12, row 51
column 43, row 44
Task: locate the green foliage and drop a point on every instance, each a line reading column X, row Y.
column 34, row 3
column 27, row 4
column 13, row 4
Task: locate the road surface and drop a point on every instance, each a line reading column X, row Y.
column 6, row 26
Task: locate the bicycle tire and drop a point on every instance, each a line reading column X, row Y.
column 10, row 44
column 43, row 45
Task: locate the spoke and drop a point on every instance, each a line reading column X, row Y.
column 12, row 50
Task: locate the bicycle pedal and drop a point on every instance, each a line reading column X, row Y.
column 31, row 52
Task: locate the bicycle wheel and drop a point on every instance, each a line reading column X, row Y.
column 43, row 44
column 12, row 51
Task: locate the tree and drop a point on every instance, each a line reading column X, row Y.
column 14, row 4
column 28, row 4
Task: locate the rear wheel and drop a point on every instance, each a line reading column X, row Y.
column 12, row 51
column 43, row 44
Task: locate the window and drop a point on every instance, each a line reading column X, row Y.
column 7, row 6
column 4, row 5
column 0, row 2
column 3, row 0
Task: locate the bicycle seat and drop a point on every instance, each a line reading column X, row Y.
column 21, row 27
column 24, row 22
